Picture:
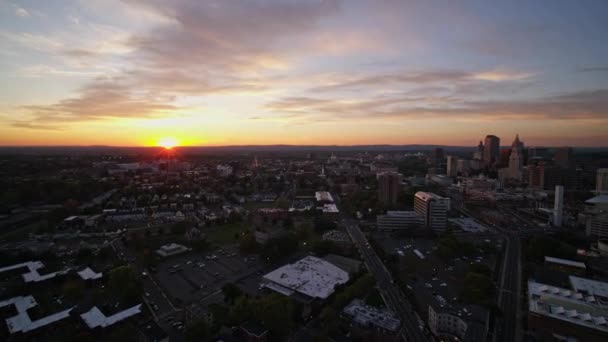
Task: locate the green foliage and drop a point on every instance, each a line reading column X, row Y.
column 279, row 248
column 125, row 283
column 231, row 292
column 220, row 313
column 449, row 247
column 374, row 299
column 247, row 243
column 179, row 228
column 539, row 247
column 480, row 269
column 357, row 289
column 329, row 320
column 478, row 289
column 274, row 312
column 73, row 289
column 323, row 224
column 323, row 247
column 197, row 330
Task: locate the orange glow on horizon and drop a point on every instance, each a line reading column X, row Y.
column 168, row 142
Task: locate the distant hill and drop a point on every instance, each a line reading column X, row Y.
column 240, row 149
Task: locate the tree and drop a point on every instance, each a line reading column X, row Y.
column 478, row 289
column 247, row 243
column 323, row 224
column 220, row 314
column 125, row 283
column 197, row 330
column 179, row 228
column 276, row 313
column 323, row 247
column 73, row 289
column 231, row 292
column 279, row 247
column 329, row 319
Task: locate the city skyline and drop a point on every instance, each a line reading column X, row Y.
column 297, row 72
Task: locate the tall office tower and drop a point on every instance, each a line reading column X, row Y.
column 564, row 157
column 452, row 168
column 491, row 150
column 601, row 181
column 389, row 184
column 558, row 208
column 516, row 159
column 478, row 154
column 433, row 209
column 437, row 156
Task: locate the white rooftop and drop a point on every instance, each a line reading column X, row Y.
column 323, row 196
column 88, row 273
column 311, row 276
column 22, row 321
column 589, row 286
column 566, row 305
column 95, row 318
column 565, row 262
column 598, row 199
column 33, row 275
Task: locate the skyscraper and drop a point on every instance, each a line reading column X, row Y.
column 558, row 207
column 601, row 181
column 516, row 159
column 478, row 155
column 389, row 184
column 433, row 209
column 564, row 157
column 452, row 167
column 491, row 150
column 437, row 156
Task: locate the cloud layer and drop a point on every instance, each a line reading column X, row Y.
column 303, row 62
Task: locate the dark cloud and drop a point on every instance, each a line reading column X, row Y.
column 97, row 101
column 593, row 69
column 572, row 106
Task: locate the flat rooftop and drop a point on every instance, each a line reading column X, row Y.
column 32, row 275
column 310, row 276
column 567, row 305
column 565, row 262
column 95, row 318
column 589, row 286
column 367, row 315
column 22, row 321
column 323, row 196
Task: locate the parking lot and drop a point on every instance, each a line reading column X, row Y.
column 195, row 276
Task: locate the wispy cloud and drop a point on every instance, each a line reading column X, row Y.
column 22, row 12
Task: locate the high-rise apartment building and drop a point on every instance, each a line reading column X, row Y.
column 491, row 150
column 389, row 184
column 601, row 181
column 433, row 209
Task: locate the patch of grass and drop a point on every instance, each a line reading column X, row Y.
column 226, row 233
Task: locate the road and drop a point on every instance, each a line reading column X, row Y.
column 391, row 293
column 507, row 327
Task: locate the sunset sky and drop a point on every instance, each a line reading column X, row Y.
column 135, row 72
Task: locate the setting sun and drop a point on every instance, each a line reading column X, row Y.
column 168, row 142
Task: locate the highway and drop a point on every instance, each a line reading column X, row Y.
column 507, row 326
column 391, row 293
